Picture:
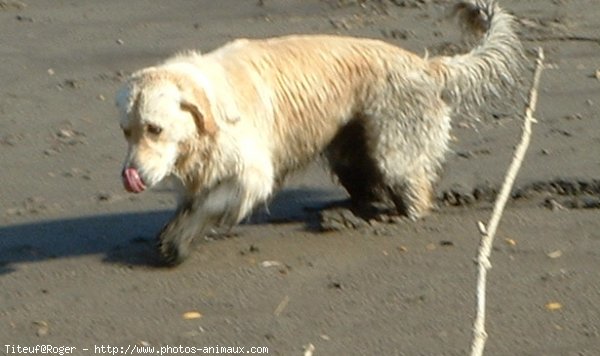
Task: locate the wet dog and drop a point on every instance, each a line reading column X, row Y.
column 231, row 124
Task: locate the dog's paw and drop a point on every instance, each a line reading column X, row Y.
column 172, row 246
column 171, row 253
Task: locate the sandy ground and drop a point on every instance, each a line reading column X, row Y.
column 75, row 266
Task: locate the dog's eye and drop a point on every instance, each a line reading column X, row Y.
column 153, row 129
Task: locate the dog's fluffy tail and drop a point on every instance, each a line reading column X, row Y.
column 491, row 69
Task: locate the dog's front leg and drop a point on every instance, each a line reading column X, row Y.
column 218, row 206
column 225, row 204
column 176, row 236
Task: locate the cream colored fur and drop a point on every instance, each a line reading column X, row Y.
column 237, row 120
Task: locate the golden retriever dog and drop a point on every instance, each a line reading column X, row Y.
column 231, row 124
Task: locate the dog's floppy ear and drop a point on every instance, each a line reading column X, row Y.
column 204, row 123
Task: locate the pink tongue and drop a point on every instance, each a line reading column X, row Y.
column 132, row 181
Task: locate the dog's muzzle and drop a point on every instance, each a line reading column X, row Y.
column 132, row 181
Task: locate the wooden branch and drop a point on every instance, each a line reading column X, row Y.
column 488, row 232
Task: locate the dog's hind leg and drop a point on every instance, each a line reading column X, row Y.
column 409, row 153
column 356, row 170
column 412, row 194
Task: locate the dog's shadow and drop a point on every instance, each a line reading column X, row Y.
column 129, row 238
column 123, row 238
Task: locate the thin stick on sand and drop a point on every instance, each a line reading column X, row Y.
column 488, row 233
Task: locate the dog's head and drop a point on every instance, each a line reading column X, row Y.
column 162, row 114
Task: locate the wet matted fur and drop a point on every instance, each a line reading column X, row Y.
column 231, row 124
